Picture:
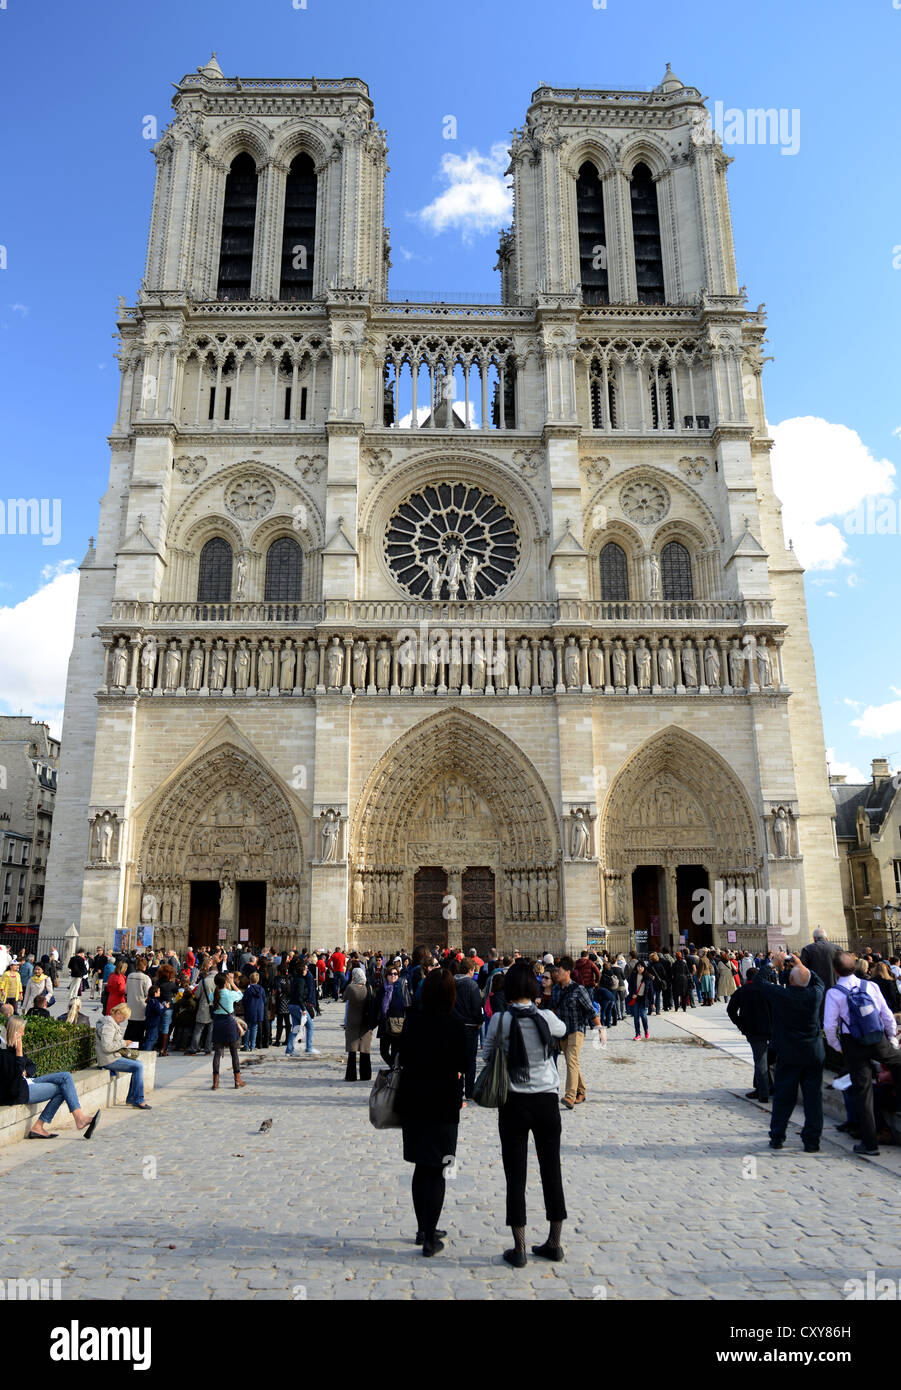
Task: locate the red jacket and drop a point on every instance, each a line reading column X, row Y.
column 586, row 972
column 337, row 962
column 115, row 991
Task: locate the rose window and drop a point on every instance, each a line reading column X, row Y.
column 452, row 541
column 250, row 498
column 645, row 503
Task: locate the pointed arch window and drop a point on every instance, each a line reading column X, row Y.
column 284, row 571
column 214, row 584
column 675, row 572
column 592, row 236
column 646, row 237
column 663, row 415
column 239, row 216
column 614, row 573
column 299, row 230
column 603, row 413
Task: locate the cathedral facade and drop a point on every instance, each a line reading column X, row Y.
column 427, row 621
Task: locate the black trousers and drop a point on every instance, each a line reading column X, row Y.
column 539, row 1113
column 859, row 1056
column 389, row 1046
column 763, row 1077
column 217, row 1057
column 789, row 1076
column 428, row 1196
column 472, row 1052
column 365, row 1066
column 282, row 1021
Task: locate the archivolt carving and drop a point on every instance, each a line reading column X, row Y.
column 197, row 505
column 455, row 745
column 686, row 507
column 239, row 135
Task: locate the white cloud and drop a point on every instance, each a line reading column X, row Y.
column 836, row 768
column 476, row 200
column 36, row 638
column 852, row 581
column 879, row 720
column 855, row 704
column 823, row 470
column 20, row 309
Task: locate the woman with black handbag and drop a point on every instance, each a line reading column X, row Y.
column 527, row 1036
column 391, row 1005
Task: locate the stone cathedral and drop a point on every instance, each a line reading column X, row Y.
column 420, row 621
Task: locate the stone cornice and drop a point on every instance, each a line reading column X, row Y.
column 145, row 429
column 344, row 429
column 553, row 430
column 722, row 434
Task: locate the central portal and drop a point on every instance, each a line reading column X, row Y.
column 479, row 928
column 429, row 921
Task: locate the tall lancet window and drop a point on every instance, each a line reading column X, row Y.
column 646, row 236
column 299, row 231
column 592, row 236
column 239, row 215
column 214, row 584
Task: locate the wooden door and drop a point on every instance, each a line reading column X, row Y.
column 252, row 913
column 203, row 930
column 478, row 911
column 429, row 922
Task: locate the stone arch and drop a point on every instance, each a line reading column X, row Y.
column 590, row 149
column 241, row 135
column 302, row 137
column 646, row 150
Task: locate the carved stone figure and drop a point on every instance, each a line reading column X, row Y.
column 618, row 665
column 172, row 665
column 383, row 666
column 287, row 663
column 265, row 665
column 689, row 666
column 532, row 888
column 455, row 666
column 642, row 665
column 105, row 832
column 542, row 896
column 148, row 664
column 358, row 896
column 553, row 892
column 240, row 574
column 310, row 667
column 335, row 664
column 242, row 666
column 434, row 653
column 120, row 664
column 579, row 836
column 571, row 665
column 653, row 575
column 331, row 829
column 546, row 665
column 523, row 665
column 514, row 895
column 781, row 833
column 711, row 664
column 150, row 910
column 736, row 666
column 360, row 662
column 393, row 897
column 406, row 656
column 764, row 670
column 435, row 576
column 666, row 669
column 469, row 582
column 478, row 666
column 596, row 664
column 195, row 666
column 452, row 573
column 218, row 659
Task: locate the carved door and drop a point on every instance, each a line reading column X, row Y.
column 429, row 922
column 478, row 911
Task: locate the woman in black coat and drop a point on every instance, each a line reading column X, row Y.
column 681, row 982
column 432, row 1056
column 391, row 1005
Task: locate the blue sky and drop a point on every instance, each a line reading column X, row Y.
column 816, row 234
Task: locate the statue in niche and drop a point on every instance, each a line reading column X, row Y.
column 432, row 656
column 642, row 665
column 392, row 897
column 654, row 575
column 596, row 664
column 533, row 895
column 435, row 576
column 477, row 663
column 172, row 665
column 335, row 664
column 383, row 666
column 455, row 666
column 618, row 665
column 469, row 582
column 218, row 660
column 407, row 662
column 579, row 835
column 764, row 669
column 358, row 896
column 552, row 895
column 546, row 665
column 782, row 833
column 452, row 572
column 331, row 829
column 120, row 664
column 498, row 664
column 148, row 664
column 226, row 893
column 265, row 666
column 666, row 670
column 105, row 833
column 736, row 666
column 689, row 666
column 360, row 662
column 664, row 806
column 150, row 909
column 287, row 663
column 240, row 574
column 542, row 896
column 242, row 666
column 524, row 665
column 711, row 664
column 571, row 665
column 195, row 666
column 310, row 667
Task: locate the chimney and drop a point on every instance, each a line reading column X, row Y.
column 837, row 778
column 881, row 771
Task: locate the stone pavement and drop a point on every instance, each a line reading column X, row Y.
column 671, row 1188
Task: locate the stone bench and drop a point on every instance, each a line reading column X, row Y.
column 97, row 1090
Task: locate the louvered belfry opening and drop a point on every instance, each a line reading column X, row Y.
column 239, row 215
column 646, row 235
column 299, row 231
column 592, row 236
column 214, row 583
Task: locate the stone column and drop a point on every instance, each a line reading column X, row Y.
column 371, row 688
column 322, row 643
column 608, row 678
column 630, row 666
column 583, row 664
column 558, row 658
column 347, row 687
column 135, row 644
column 536, row 679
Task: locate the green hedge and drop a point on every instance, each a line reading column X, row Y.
column 54, row 1046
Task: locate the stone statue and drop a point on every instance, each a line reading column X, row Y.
column 240, row 574
column 148, row 664
column 579, row 835
column 407, row 662
column 618, row 665
column 335, row 663
column 542, row 896
column 358, row 896
column 287, row 663
column 455, row 666
column 173, row 665
column 532, row 888
column 642, row 665
column 310, row 667
column 452, row 572
column 546, row 665
column 553, row 893
column 514, row 895
column 596, row 664
column 689, row 666
column 120, row 664
column 218, row 661
column 393, row 897
column 498, row 664
column 265, row 665
column 195, row 667
column 434, row 653
column 736, row 666
column 571, row 665
column 383, row 666
column 105, row 839
column 226, row 895
column 242, row 666
column 666, row 670
column 469, row 583
column 711, row 664
column 781, row 833
column 654, row 575
column 435, row 576
column 360, row 662
column 331, row 828
column 764, row 670
column 524, row 665
column 477, row 665
column 149, row 908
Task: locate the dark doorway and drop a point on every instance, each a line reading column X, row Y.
column 429, row 922
column 478, row 911
column 252, row 912
column 647, row 908
column 203, row 927
column 689, row 878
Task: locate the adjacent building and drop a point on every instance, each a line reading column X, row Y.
column 29, row 761
column 868, row 831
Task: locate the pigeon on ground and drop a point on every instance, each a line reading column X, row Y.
column 265, row 1127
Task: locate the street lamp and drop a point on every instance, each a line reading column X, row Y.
column 892, row 919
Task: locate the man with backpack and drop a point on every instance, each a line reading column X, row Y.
column 860, row 1025
column 798, row 1044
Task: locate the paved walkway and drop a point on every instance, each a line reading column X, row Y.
column 671, row 1188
